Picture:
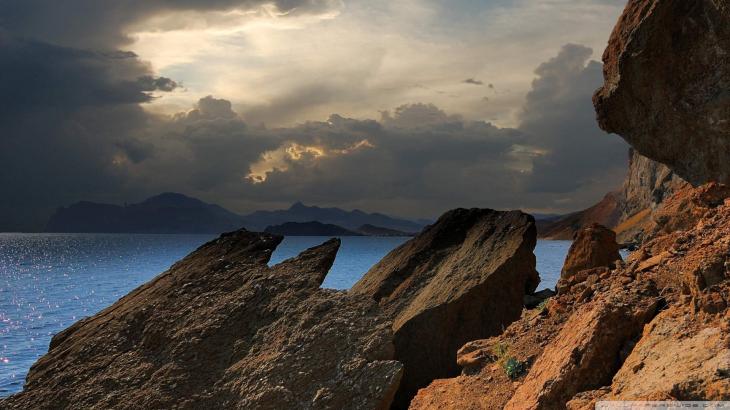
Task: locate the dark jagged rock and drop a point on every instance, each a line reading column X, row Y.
column 667, row 85
column 221, row 329
column 594, row 247
column 461, row 279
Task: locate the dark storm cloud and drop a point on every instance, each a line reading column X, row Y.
column 559, row 117
column 67, row 115
column 217, row 147
column 557, row 158
column 36, row 74
column 383, row 161
column 73, row 128
column 101, row 24
column 416, row 154
column 71, row 124
column 210, row 108
column 420, row 115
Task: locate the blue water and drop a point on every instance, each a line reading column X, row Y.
column 49, row 281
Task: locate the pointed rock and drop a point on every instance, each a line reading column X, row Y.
column 310, row 267
column 221, row 329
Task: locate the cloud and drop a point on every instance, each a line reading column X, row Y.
column 37, row 74
column 68, row 117
column 416, row 160
column 556, row 159
column 419, row 115
column 75, row 122
column 99, row 25
column 369, row 55
column 210, row 108
column 474, row 82
column 351, row 161
column 558, row 115
column 149, row 83
column 290, row 153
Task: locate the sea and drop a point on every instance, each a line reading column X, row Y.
column 49, row 281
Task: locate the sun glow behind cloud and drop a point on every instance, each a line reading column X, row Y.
column 218, row 53
column 357, row 58
column 181, row 38
column 281, row 158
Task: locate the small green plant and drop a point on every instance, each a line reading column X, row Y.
column 513, row 368
column 543, row 305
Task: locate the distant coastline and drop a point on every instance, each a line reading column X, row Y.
column 173, row 213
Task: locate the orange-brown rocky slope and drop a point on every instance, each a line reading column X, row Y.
column 606, row 212
column 654, row 327
column 221, row 329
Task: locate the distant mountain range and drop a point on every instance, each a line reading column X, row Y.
column 177, row 213
column 165, row 213
column 351, row 220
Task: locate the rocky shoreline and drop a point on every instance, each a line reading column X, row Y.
column 441, row 322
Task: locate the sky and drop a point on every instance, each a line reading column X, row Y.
column 408, row 107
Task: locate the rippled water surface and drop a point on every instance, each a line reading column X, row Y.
column 48, row 281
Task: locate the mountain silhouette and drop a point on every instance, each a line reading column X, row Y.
column 177, row 213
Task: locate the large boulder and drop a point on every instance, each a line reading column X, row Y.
column 593, row 247
column 461, row 279
column 667, row 85
column 221, row 329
